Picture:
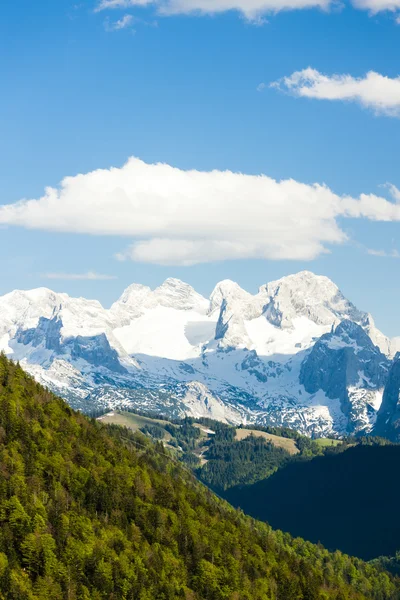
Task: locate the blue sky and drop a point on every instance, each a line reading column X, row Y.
column 185, row 90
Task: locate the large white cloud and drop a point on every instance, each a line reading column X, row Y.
column 188, row 217
column 375, row 91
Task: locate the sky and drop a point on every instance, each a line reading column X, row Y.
column 203, row 140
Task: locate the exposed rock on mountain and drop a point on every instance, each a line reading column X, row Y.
column 388, row 421
column 346, row 365
column 297, row 353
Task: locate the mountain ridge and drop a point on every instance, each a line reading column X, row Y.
column 242, row 351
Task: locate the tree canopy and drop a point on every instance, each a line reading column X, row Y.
column 90, row 512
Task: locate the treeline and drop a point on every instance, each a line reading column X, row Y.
column 232, row 462
column 229, row 462
column 223, row 462
column 91, row 512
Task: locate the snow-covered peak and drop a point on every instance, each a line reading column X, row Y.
column 134, row 293
column 174, row 293
column 130, row 304
column 22, row 310
column 38, row 296
column 308, row 295
column 231, row 292
column 316, row 288
column 234, row 305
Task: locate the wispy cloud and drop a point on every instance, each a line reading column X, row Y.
column 383, row 253
column 110, row 4
column 374, row 91
column 261, row 86
column 125, row 22
column 90, row 276
column 253, row 10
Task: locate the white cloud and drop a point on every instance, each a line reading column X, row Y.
column 383, row 254
column 376, row 6
column 251, row 9
column 261, row 86
column 125, row 22
column 90, row 276
column 375, row 91
column 108, row 4
column 188, row 217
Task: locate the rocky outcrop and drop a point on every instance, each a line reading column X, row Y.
column 96, row 351
column 343, row 362
column 46, row 334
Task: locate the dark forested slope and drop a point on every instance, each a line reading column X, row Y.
column 88, row 512
column 347, row 501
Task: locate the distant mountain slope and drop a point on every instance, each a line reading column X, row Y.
column 236, row 357
column 91, row 512
column 346, row 501
column 220, row 455
column 388, row 420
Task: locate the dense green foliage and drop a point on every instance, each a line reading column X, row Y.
column 92, row 512
column 185, row 434
column 154, row 431
column 227, row 461
column 346, row 500
column 231, row 462
column 390, row 563
column 306, row 446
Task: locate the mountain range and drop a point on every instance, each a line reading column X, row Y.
column 297, row 353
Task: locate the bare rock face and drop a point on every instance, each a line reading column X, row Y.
column 388, row 421
column 235, row 305
column 344, row 363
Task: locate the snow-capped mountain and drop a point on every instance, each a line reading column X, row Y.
column 297, row 353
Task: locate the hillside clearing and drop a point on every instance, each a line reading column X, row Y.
column 281, row 442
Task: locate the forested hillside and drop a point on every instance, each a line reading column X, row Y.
column 346, row 501
column 92, row 512
column 223, row 456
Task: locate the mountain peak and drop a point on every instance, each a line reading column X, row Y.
column 174, row 293
column 175, row 286
column 231, row 292
column 174, row 282
column 349, row 328
column 304, row 280
column 305, row 294
column 134, row 292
